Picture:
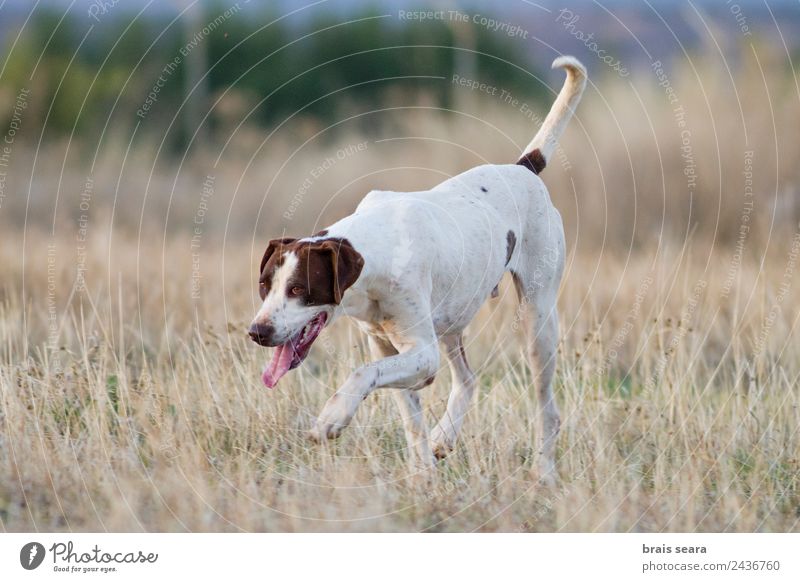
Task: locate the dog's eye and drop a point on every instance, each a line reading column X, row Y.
column 296, row 291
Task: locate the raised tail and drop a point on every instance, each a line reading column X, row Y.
column 538, row 152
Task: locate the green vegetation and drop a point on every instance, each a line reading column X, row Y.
column 322, row 68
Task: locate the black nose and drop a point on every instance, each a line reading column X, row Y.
column 262, row 334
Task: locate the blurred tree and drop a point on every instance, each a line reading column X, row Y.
column 316, row 68
column 196, row 86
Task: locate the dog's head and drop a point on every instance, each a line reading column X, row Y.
column 301, row 282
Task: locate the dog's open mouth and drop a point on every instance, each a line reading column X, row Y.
column 291, row 354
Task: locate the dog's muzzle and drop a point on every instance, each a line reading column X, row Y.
column 262, row 334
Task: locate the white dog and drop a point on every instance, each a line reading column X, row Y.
column 413, row 268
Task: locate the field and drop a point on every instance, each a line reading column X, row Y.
column 130, row 397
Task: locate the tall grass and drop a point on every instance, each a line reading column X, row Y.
column 145, row 416
column 134, row 403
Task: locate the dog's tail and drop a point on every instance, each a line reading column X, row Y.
column 538, row 152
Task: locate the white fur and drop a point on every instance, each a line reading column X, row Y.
column 431, row 259
column 425, row 279
column 563, row 107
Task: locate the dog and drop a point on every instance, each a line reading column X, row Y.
column 413, row 268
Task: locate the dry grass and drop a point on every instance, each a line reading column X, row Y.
column 143, row 419
column 130, row 405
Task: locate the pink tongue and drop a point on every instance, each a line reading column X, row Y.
column 281, row 362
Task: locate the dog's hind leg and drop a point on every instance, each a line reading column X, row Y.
column 445, row 433
column 419, row 448
column 410, row 407
column 539, row 309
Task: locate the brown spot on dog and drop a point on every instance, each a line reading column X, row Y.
column 274, row 260
column 534, row 161
column 511, row 243
column 325, row 270
column 323, row 232
column 429, row 380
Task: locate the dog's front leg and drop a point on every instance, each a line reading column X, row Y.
column 410, row 368
column 410, row 407
column 341, row 407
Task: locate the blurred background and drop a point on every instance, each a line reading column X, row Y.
column 210, row 127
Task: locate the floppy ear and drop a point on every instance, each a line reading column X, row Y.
column 346, row 262
column 273, row 246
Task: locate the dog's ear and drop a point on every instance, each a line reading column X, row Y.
column 346, row 264
column 273, row 246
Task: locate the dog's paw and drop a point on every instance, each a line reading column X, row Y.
column 548, row 476
column 441, row 443
column 441, row 450
column 323, row 432
column 314, row 436
column 333, row 419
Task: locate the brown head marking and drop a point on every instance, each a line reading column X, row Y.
column 264, row 273
column 325, row 269
column 346, row 264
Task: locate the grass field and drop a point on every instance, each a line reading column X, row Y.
column 677, row 413
column 134, row 402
